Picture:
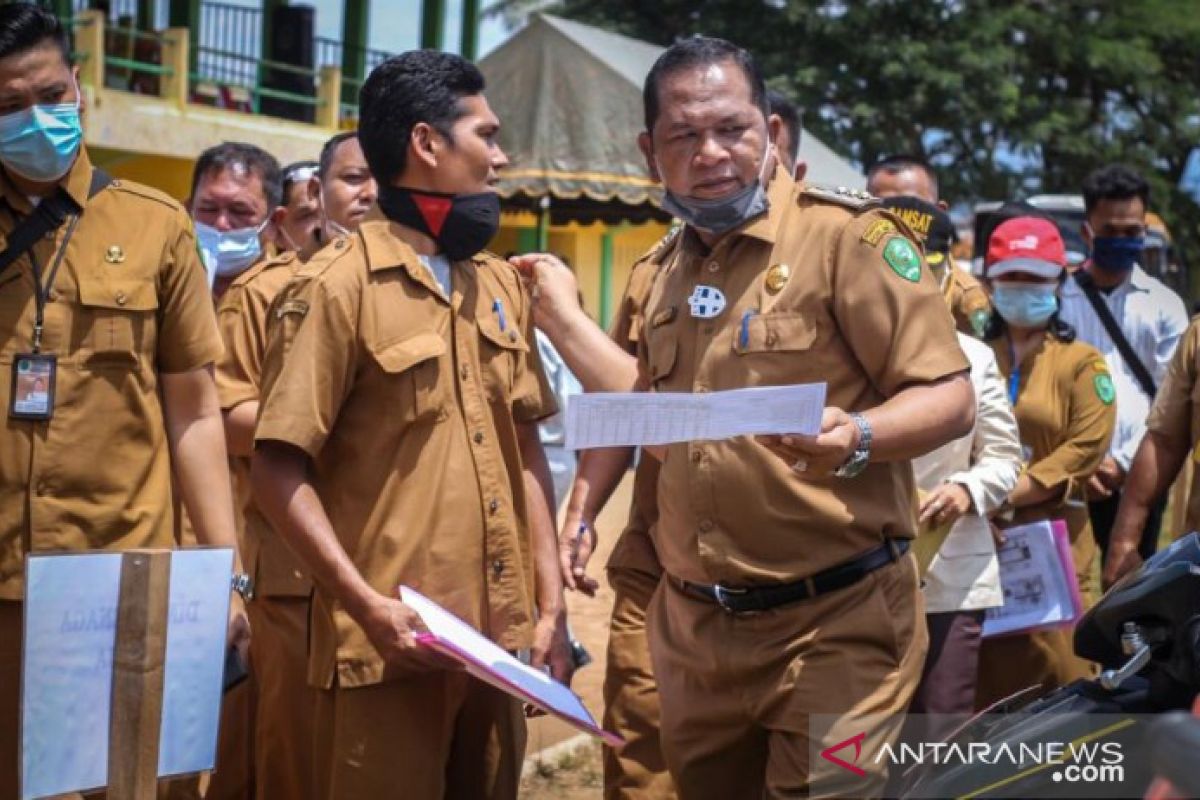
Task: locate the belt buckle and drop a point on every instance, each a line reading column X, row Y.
column 721, row 595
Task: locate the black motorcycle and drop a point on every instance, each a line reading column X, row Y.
column 1145, row 633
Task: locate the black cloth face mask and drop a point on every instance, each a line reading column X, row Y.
column 461, row 224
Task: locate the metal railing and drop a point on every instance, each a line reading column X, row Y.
column 229, row 44
column 331, row 51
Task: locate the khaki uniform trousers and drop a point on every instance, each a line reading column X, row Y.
column 636, row 771
column 286, row 704
column 738, row 691
column 427, row 736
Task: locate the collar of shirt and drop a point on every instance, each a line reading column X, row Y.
column 386, row 249
column 1138, row 281
column 77, row 182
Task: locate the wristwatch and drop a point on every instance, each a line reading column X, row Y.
column 243, row 584
column 862, row 454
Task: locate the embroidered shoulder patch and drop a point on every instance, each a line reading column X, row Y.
column 875, row 232
column 1105, row 389
column 902, row 256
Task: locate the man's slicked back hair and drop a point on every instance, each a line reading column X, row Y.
column 24, row 26
column 700, row 51
column 417, row 86
column 902, row 162
column 242, row 156
column 1115, row 182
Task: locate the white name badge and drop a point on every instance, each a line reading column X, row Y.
column 706, row 302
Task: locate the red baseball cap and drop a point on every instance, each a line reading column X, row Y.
column 1025, row 244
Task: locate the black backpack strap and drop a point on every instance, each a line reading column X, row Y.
column 1144, row 379
column 47, row 216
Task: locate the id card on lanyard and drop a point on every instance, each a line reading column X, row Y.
column 35, row 374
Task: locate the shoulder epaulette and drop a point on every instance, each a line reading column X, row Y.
column 850, row 198
column 664, row 244
column 141, row 190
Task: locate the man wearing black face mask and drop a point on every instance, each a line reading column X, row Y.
column 1132, row 318
column 397, row 444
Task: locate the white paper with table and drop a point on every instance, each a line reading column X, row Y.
column 649, row 418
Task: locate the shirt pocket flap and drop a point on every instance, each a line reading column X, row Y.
column 398, row 356
column 510, row 338
column 662, row 352
column 782, row 332
column 118, row 294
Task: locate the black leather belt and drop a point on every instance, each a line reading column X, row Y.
column 761, row 598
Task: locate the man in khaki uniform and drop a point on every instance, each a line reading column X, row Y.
column 285, row 703
column 343, row 187
column 787, row 592
column 397, row 445
column 1172, row 434
column 118, row 320
column 909, row 186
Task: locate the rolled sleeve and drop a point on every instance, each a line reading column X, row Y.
column 306, row 380
column 188, row 337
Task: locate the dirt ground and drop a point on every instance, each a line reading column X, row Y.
column 576, row 774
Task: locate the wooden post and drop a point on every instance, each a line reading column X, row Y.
column 329, row 95
column 139, row 666
column 176, row 47
column 89, row 41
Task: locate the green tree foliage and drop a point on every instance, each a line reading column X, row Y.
column 1006, row 98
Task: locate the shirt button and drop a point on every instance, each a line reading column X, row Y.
column 493, row 505
column 478, row 437
column 706, row 525
column 713, row 266
column 464, row 372
column 120, row 297
column 771, row 338
column 497, row 567
column 697, row 456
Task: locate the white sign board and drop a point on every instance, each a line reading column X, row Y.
column 70, row 628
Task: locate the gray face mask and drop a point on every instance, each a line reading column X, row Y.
column 722, row 214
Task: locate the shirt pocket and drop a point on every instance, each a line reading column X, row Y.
column 412, row 367
column 119, row 321
column 768, row 344
column 499, row 353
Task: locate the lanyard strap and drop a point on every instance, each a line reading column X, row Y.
column 1014, row 377
column 41, row 289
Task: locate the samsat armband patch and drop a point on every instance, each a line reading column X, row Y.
column 1105, row 389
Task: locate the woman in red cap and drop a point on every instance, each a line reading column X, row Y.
column 1063, row 398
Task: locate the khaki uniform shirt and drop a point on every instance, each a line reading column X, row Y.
column 1065, row 412
column 243, row 317
column 634, row 550
column 129, row 301
column 1176, row 411
column 408, row 401
column 968, row 301
column 824, row 304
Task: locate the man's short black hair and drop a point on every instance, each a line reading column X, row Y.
column 329, row 151
column 901, row 162
column 242, row 155
column 1114, row 182
column 417, row 86
column 298, row 172
column 789, row 113
column 700, row 51
column 24, row 26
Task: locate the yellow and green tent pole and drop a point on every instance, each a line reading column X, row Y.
column 543, row 224
column 469, row 41
column 433, row 24
column 606, row 277
column 355, row 16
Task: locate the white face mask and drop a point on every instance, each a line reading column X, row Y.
column 228, row 253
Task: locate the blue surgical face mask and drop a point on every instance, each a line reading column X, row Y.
column 1025, row 305
column 40, row 143
column 721, row 214
column 228, row 253
column 1117, row 254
